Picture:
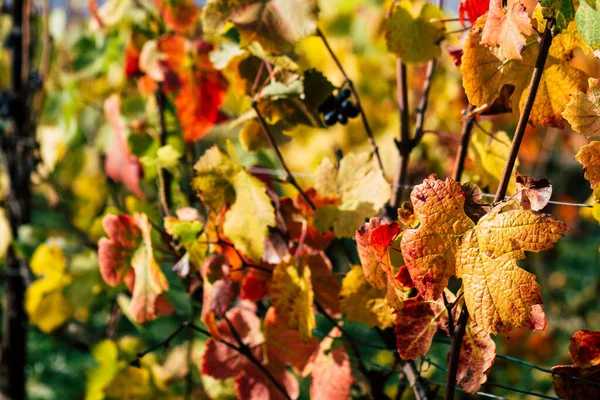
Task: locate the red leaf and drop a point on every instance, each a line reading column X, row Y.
column 252, row 384
column 120, row 165
column 221, row 361
column 472, row 9
column 331, row 372
column 284, row 345
column 373, row 241
column 477, row 354
column 571, row 389
column 132, row 60
column 416, row 323
column 179, row 15
column 255, row 284
column 585, row 348
column 114, row 252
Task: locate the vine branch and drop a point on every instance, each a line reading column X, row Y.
column 460, row 327
column 288, row 174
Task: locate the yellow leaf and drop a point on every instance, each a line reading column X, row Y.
column 45, row 302
column 363, row 303
column 486, row 70
column 248, row 220
column 48, row 259
column 489, row 154
column 589, row 157
column 359, row 185
column 214, row 172
column 51, row 309
column 292, row 296
column 499, row 294
column 411, row 34
column 5, row 234
column 583, row 110
column 132, row 383
column 106, row 355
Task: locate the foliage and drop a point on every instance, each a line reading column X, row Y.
column 188, row 193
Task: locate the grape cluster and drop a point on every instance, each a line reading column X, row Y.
column 338, row 108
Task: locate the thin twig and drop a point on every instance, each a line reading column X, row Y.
column 288, row 175
column 356, row 97
column 165, row 176
column 402, row 145
column 245, row 350
column 467, row 129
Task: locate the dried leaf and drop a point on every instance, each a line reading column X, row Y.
column 373, row 241
column 477, row 355
column 583, row 110
column 533, row 194
column 507, row 28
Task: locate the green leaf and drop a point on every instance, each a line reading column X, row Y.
column 248, row 220
column 588, row 24
column 411, row 35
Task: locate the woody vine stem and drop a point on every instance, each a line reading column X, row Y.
column 459, row 330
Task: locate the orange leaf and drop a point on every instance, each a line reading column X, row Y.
column 179, row 15
column 506, row 27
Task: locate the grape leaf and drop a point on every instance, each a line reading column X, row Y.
column 120, row 165
column 220, row 361
column 292, row 296
column 583, row 110
column 179, row 15
column 45, row 302
column 214, row 173
column 284, row 345
column 222, row 182
column 331, row 373
column 363, row 303
column 277, row 25
column 359, row 185
column 472, row 9
column 416, row 324
column 498, row 293
column 588, row 20
column 325, row 285
column 5, row 234
column 589, row 157
column 202, row 87
column 486, row 71
column 247, row 221
column 584, row 350
column 507, row 28
column 489, row 156
column 373, row 240
column 411, row 34
column 533, row 194
column 126, row 256
column 477, row 355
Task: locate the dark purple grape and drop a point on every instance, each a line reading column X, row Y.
column 329, row 104
column 343, row 94
column 342, row 118
column 350, row 109
column 331, row 118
